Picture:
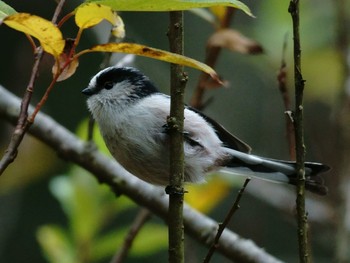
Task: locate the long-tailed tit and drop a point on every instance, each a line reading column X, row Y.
column 132, row 116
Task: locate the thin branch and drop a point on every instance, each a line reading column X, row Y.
column 141, row 218
column 58, row 11
column 299, row 82
column 175, row 124
column 211, row 59
column 283, row 88
column 107, row 171
column 22, row 123
column 224, row 224
column 65, row 19
column 18, row 134
column 32, row 43
column 44, row 98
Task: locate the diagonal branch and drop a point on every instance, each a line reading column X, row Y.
column 107, row 171
column 223, row 225
column 23, row 124
column 142, row 217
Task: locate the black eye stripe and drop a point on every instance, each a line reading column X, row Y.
column 108, row 85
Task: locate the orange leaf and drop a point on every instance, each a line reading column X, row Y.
column 64, row 66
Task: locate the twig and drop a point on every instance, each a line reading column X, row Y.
column 44, row 98
column 22, row 123
column 175, row 123
column 211, row 58
column 107, row 171
column 141, row 218
column 283, row 88
column 224, row 224
column 58, row 11
column 18, row 134
column 304, row 254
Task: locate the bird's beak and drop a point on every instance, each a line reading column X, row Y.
column 88, row 91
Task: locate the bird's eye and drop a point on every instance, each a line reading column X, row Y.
column 108, row 85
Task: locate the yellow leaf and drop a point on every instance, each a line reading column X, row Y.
column 118, row 29
column 49, row 36
column 205, row 197
column 169, row 5
column 219, row 12
column 88, row 15
column 159, row 54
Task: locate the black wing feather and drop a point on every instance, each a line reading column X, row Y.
column 225, row 136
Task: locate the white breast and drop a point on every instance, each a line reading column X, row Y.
column 137, row 139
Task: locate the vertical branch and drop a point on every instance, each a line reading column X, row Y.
column 175, row 124
column 342, row 201
column 283, row 88
column 211, row 59
column 299, row 83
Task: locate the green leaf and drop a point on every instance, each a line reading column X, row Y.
column 80, row 198
column 82, row 133
column 6, row 10
column 151, row 239
column 205, row 14
column 154, row 235
column 55, row 244
column 87, row 204
column 169, row 5
column 155, row 53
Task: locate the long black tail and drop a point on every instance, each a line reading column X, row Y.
column 277, row 170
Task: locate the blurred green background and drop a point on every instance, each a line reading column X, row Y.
column 49, row 206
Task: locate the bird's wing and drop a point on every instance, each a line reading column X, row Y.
column 225, row 136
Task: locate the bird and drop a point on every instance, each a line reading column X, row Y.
column 132, row 114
